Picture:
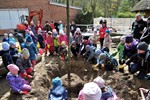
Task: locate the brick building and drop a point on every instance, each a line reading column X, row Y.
column 51, row 10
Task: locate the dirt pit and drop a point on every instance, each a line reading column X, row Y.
column 125, row 85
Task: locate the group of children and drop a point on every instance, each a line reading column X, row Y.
column 21, row 64
column 20, row 59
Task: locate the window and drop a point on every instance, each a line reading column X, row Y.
column 9, row 18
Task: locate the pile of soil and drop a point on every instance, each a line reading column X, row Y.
column 125, row 85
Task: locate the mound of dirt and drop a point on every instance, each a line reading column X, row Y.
column 125, row 85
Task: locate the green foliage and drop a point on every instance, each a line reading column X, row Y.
column 126, row 15
column 84, row 18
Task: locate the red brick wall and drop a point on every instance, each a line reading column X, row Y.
column 50, row 12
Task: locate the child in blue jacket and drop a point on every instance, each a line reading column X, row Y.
column 32, row 50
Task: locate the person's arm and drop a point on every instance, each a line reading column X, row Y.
column 19, row 64
column 91, row 56
column 35, row 50
column 13, row 85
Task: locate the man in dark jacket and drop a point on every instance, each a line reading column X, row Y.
column 73, row 27
column 47, row 27
column 138, row 26
column 146, row 35
column 140, row 61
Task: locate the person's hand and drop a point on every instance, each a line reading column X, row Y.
column 144, row 90
column 123, row 61
column 25, row 74
column 21, row 92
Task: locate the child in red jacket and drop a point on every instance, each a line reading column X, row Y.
column 50, row 43
column 102, row 32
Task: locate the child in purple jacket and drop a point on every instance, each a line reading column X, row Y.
column 16, row 83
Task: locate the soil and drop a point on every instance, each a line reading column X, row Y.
column 125, row 85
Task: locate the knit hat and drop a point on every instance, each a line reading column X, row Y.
column 73, row 42
column 11, row 43
column 91, row 91
column 97, row 52
column 49, row 32
column 25, row 53
column 100, row 82
column 142, row 46
column 78, row 30
column 56, row 82
column 122, row 39
column 29, row 39
column 10, row 35
column 5, row 46
column 13, row 68
column 107, row 31
column 39, row 30
column 5, row 34
column 102, row 56
column 87, row 48
column 129, row 39
column 54, row 31
column 148, row 18
column 85, row 37
column 54, row 34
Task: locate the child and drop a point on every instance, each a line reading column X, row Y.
column 32, row 50
column 129, row 47
column 74, row 49
column 120, row 49
column 13, row 51
column 40, row 39
column 63, row 51
column 5, row 39
column 90, row 91
column 147, row 91
column 56, row 44
column 57, row 92
column 16, row 83
column 50, row 43
column 102, row 32
column 85, row 42
column 93, row 38
column 89, row 52
column 24, row 64
column 107, row 92
column 105, row 62
column 107, row 39
column 62, row 37
column 11, row 38
column 5, row 53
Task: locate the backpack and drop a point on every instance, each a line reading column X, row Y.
column 58, row 93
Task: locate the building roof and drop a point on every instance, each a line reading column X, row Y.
column 143, row 5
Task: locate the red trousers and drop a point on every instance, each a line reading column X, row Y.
column 28, row 71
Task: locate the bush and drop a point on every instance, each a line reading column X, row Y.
column 84, row 18
column 126, row 15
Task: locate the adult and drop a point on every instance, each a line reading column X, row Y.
column 38, row 25
column 56, row 24
column 102, row 32
column 33, row 27
column 138, row 26
column 129, row 47
column 73, row 27
column 60, row 26
column 146, row 35
column 47, row 27
column 140, row 61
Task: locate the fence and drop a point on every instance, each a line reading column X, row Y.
column 122, row 25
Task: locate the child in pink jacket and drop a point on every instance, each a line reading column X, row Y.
column 62, row 37
column 50, row 43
